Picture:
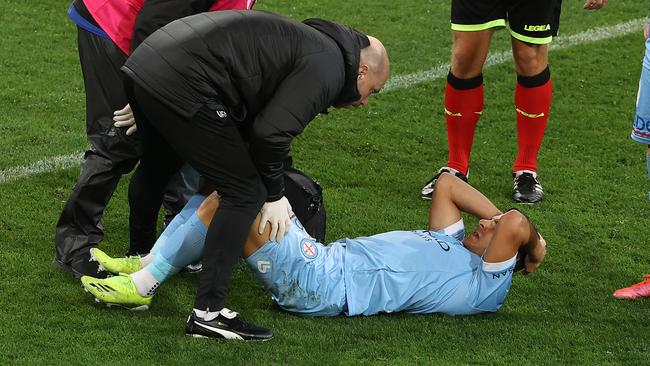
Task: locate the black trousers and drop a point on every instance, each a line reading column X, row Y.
column 214, row 147
column 111, row 154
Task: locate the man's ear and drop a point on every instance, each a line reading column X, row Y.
column 363, row 69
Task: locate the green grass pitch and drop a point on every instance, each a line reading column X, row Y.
column 372, row 163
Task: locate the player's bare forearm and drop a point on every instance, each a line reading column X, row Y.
column 451, row 197
column 468, row 199
column 512, row 233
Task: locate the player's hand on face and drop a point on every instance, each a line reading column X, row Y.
column 278, row 214
column 124, row 118
column 536, row 256
column 594, row 4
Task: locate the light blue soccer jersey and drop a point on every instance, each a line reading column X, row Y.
column 302, row 275
column 412, row 271
column 421, row 272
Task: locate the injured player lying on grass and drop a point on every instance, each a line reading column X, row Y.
column 439, row 270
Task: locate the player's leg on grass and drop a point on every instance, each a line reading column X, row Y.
column 132, row 264
column 107, row 263
column 184, row 246
column 181, row 218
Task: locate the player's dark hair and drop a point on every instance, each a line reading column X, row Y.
column 521, row 254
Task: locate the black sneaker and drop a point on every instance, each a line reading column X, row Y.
column 427, row 190
column 227, row 325
column 527, row 188
column 81, row 265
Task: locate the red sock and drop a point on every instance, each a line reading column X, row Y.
column 463, row 108
column 532, row 105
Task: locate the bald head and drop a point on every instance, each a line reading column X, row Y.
column 374, row 69
column 376, row 58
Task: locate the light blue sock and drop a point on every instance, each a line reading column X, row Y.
column 190, row 207
column 185, row 246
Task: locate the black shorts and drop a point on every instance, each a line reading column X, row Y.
column 531, row 21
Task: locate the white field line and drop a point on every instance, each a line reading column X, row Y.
column 559, row 43
column 397, row 82
column 42, row 166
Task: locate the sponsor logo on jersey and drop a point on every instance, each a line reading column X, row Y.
column 642, row 126
column 429, row 236
column 502, row 273
column 222, row 114
column 537, row 28
column 263, row 266
column 308, row 248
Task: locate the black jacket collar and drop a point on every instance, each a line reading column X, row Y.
column 350, row 41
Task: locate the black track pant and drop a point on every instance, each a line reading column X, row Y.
column 213, row 146
column 111, row 154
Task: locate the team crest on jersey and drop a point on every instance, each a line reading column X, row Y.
column 308, row 248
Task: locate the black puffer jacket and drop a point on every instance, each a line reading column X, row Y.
column 272, row 73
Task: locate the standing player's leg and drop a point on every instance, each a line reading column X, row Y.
column 464, row 94
column 110, row 155
column 473, row 23
column 532, row 26
column 211, row 143
column 647, row 159
column 641, row 126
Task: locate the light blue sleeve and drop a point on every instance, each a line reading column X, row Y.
column 490, row 285
column 455, row 230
